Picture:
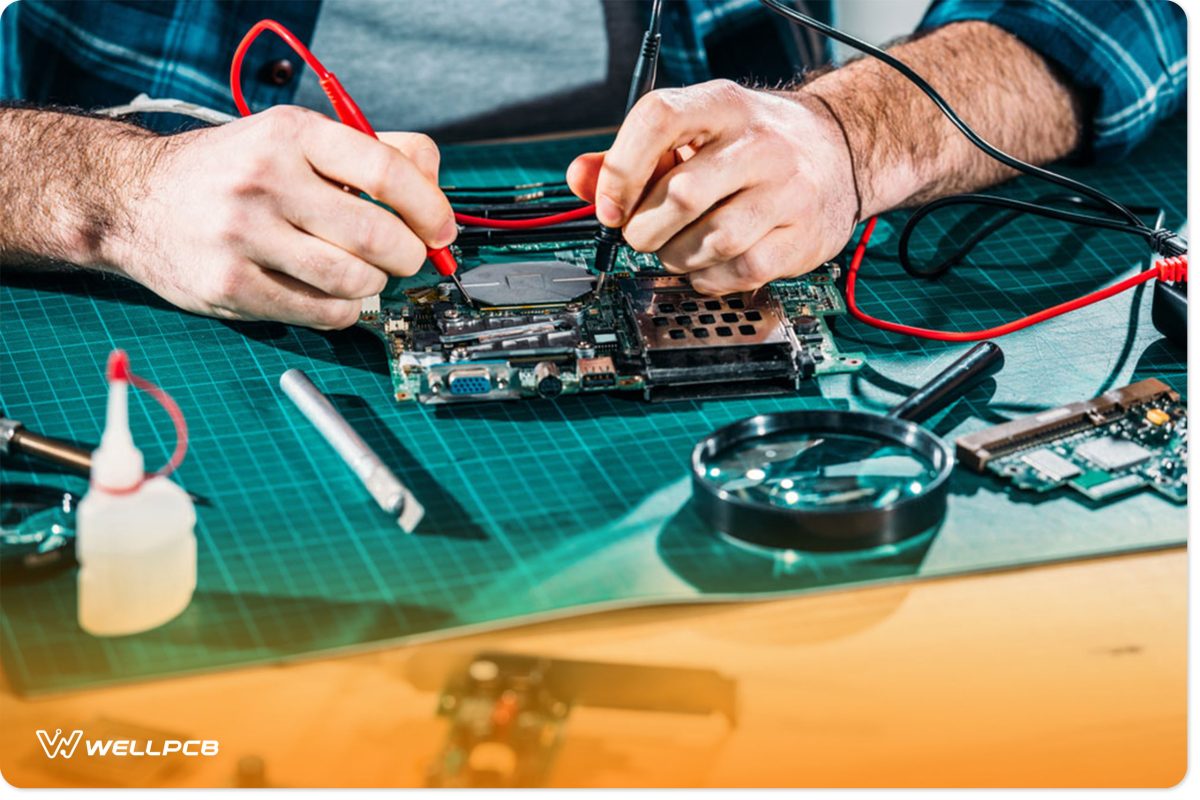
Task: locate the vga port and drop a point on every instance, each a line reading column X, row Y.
column 476, row 380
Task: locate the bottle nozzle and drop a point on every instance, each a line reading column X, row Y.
column 117, row 463
column 118, row 366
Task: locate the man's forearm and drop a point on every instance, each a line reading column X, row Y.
column 66, row 183
column 905, row 151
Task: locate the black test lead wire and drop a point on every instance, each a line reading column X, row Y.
column 1164, row 241
column 609, row 240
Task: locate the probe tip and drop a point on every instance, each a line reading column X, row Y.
column 461, row 289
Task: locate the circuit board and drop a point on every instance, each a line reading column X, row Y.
column 536, row 326
column 1125, row 440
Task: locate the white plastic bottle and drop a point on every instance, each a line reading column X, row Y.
column 135, row 538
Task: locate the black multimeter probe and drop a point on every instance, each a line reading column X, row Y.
column 609, row 240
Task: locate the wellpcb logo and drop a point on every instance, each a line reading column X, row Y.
column 58, row 744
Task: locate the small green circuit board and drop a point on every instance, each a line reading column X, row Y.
column 1125, row 440
column 537, row 327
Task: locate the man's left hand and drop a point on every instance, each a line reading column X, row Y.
column 733, row 186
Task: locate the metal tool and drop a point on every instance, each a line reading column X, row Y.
column 609, row 240
column 386, row 489
column 15, row 439
column 834, row 480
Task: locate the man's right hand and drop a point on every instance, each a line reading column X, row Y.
column 251, row 220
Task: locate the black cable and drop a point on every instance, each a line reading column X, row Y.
column 1004, row 158
column 645, row 70
column 1118, row 216
column 1017, row 208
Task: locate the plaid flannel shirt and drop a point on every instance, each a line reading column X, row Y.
column 1127, row 57
column 95, row 54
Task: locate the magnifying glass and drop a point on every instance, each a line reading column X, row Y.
column 834, row 480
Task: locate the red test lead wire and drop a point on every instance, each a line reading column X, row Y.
column 239, row 55
column 524, row 224
column 1167, row 269
column 1170, row 269
column 344, row 106
column 350, row 114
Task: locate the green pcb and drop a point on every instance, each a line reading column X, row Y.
column 540, row 507
column 442, row 349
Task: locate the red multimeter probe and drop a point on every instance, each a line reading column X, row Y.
column 344, row 106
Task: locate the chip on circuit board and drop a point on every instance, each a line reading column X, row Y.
column 1125, row 440
column 1111, row 453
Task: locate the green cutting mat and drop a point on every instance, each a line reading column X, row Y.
column 540, row 507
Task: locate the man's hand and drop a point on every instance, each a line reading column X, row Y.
column 733, row 186
column 250, row 221
column 738, row 187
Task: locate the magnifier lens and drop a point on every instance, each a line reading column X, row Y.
column 819, row 471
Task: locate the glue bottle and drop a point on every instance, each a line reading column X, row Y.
column 134, row 532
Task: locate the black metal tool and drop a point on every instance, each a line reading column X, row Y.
column 16, row 439
column 609, row 240
column 834, row 480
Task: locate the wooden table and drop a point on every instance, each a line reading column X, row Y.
column 1063, row 675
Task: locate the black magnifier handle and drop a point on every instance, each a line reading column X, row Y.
column 981, row 361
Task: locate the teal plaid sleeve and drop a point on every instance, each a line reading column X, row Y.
column 1126, row 58
column 91, row 54
column 688, row 24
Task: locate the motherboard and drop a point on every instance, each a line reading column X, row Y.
column 535, row 325
column 1124, row 440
